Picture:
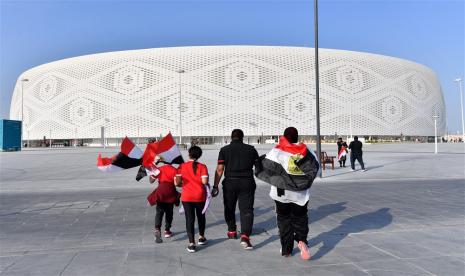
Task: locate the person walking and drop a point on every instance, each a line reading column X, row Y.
column 165, row 197
column 192, row 176
column 236, row 161
column 356, row 153
column 341, row 152
column 290, row 168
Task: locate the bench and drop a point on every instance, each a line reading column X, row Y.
column 325, row 159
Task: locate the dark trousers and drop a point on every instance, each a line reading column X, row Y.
column 357, row 157
column 190, row 210
column 292, row 224
column 342, row 162
column 161, row 209
column 242, row 190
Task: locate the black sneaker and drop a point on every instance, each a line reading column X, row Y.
column 190, row 248
column 157, row 234
column 245, row 242
column 202, row 241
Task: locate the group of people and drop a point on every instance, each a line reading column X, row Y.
column 356, row 153
column 236, row 162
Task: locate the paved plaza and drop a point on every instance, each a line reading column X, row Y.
column 59, row 215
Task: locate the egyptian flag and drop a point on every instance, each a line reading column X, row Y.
column 288, row 166
column 167, row 151
column 342, row 153
column 130, row 156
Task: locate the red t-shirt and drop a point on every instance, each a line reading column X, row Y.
column 192, row 187
column 167, row 174
column 166, row 191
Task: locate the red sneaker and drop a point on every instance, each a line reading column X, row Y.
column 245, row 242
column 168, row 234
column 232, row 234
column 304, row 252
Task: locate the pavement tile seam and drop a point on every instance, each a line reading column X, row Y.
column 67, row 265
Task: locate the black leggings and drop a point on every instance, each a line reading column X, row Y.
column 292, row 224
column 161, row 209
column 190, row 210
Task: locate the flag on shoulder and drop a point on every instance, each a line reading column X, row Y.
column 288, row 166
column 130, row 156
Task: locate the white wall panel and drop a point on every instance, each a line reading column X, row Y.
column 256, row 88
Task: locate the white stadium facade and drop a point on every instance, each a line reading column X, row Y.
column 260, row 89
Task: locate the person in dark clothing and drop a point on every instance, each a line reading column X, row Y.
column 236, row 161
column 341, row 155
column 356, row 153
column 291, row 206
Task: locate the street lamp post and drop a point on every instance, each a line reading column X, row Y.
column 435, row 117
column 317, row 84
column 459, row 81
column 22, row 108
column 180, row 72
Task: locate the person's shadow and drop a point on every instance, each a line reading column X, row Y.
column 368, row 221
column 325, row 210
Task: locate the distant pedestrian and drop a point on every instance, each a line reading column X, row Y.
column 341, row 152
column 290, row 168
column 193, row 176
column 236, row 160
column 165, row 197
column 356, row 153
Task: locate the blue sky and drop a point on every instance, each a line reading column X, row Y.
column 432, row 33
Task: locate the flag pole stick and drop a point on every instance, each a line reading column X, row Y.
column 317, row 85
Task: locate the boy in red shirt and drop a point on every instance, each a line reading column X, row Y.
column 165, row 197
column 193, row 176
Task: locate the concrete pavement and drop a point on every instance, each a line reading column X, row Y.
column 404, row 216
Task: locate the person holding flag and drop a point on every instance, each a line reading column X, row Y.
column 192, row 176
column 164, row 197
column 341, row 152
column 290, row 168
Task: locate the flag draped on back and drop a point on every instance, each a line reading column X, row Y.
column 130, row 156
column 342, row 153
column 288, row 166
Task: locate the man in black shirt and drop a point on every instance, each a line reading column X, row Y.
column 356, row 153
column 236, row 160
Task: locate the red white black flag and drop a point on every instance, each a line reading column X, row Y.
column 288, row 166
column 130, row 156
column 166, row 150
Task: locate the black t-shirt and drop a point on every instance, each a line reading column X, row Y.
column 238, row 159
column 356, row 147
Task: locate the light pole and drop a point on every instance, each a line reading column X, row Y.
column 180, row 72
column 22, row 109
column 459, row 81
column 317, row 85
column 435, row 117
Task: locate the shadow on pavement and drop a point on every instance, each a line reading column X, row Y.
column 316, row 214
column 355, row 224
column 325, row 210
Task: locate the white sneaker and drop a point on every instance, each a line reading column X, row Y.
column 364, row 170
column 352, row 170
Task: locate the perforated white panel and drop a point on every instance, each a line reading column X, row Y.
column 259, row 89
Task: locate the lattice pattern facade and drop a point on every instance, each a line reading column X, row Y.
column 259, row 89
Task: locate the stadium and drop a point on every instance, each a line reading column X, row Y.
column 207, row 91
